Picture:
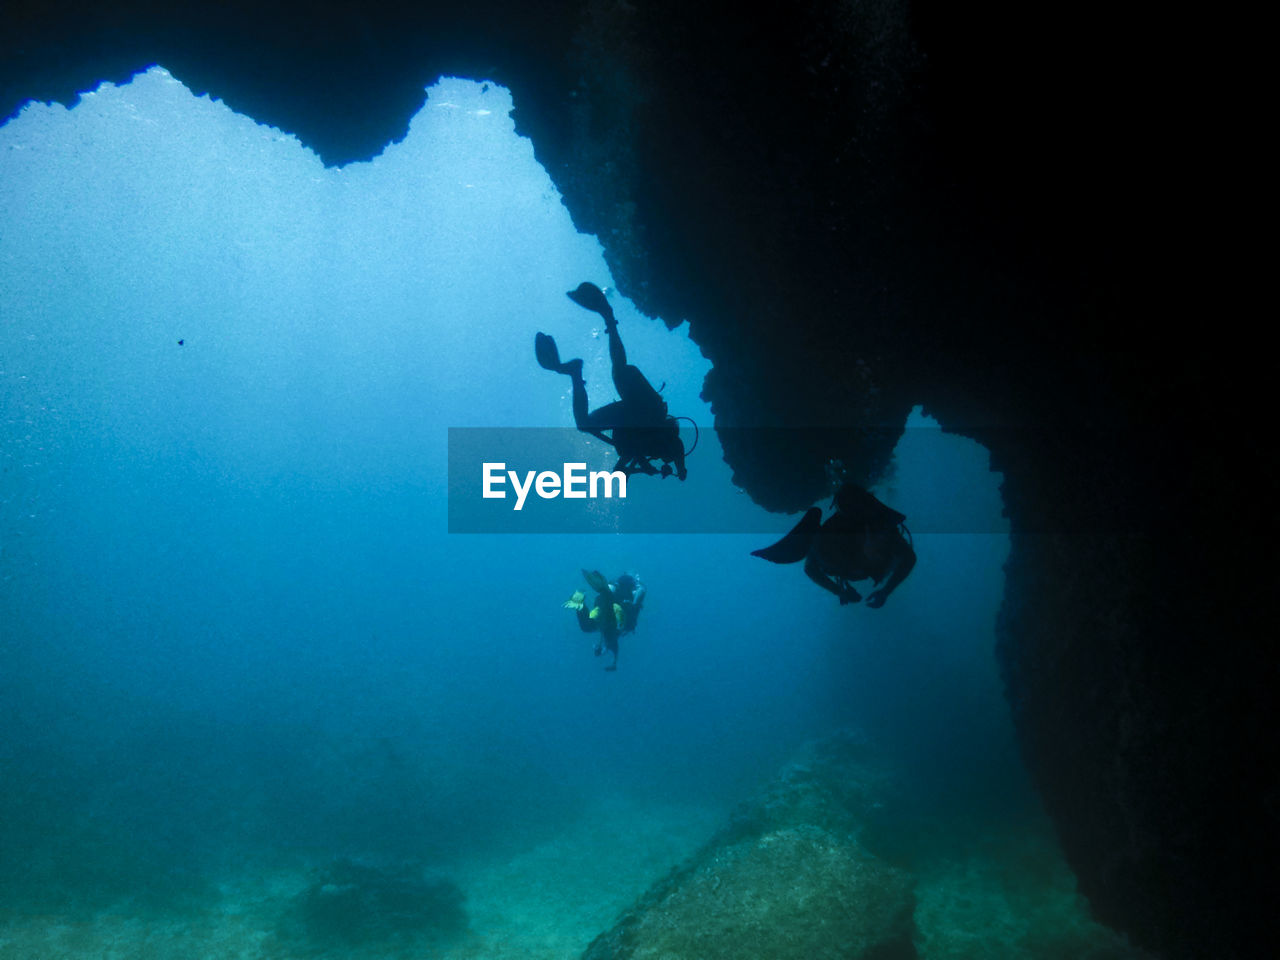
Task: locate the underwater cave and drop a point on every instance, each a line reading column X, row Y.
column 847, row 214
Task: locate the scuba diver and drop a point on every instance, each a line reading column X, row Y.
column 639, row 427
column 862, row 540
column 614, row 612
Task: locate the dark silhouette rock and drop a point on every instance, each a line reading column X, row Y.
column 860, row 207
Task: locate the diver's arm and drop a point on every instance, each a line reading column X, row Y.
column 815, row 573
column 617, row 352
column 671, row 450
column 626, row 465
column 632, row 465
column 904, row 561
column 681, row 472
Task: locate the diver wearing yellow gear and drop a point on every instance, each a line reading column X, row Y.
column 623, row 598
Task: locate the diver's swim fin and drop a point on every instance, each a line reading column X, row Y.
column 795, row 545
column 595, row 579
column 544, row 348
column 591, row 297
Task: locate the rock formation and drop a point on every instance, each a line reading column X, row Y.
column 858, row 206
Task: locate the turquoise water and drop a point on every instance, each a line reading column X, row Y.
column 240, row 644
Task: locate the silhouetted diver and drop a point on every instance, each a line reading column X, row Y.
column 638, row 425
column 863, row 539
column 614, row 612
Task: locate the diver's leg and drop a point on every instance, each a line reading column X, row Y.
column 549, row 359
column 597, row 421
column 584, row 620
column 593, row 422
column 617, row 352
column 633, row 386
column 580, row 415
column 608, row 625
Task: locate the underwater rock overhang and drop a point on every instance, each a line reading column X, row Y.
column 860, row 207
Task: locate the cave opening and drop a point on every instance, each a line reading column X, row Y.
column 231, row 370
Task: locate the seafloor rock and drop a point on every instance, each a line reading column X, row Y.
column 833, row 784
column 1005, row 893
column 352, row 903
column 788, row 878
column 798, row 892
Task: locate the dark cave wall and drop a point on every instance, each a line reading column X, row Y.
column 858, row 207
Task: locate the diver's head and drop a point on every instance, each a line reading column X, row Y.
column 626, row 583
column 837, row 475
column 845, row 498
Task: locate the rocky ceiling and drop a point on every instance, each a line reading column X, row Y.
column 858, row 207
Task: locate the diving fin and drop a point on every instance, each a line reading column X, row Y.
column 795, row 545
column 544, row 348
column 591, row 297
column 595, row 579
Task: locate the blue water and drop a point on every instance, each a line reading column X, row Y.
column 232, row 622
